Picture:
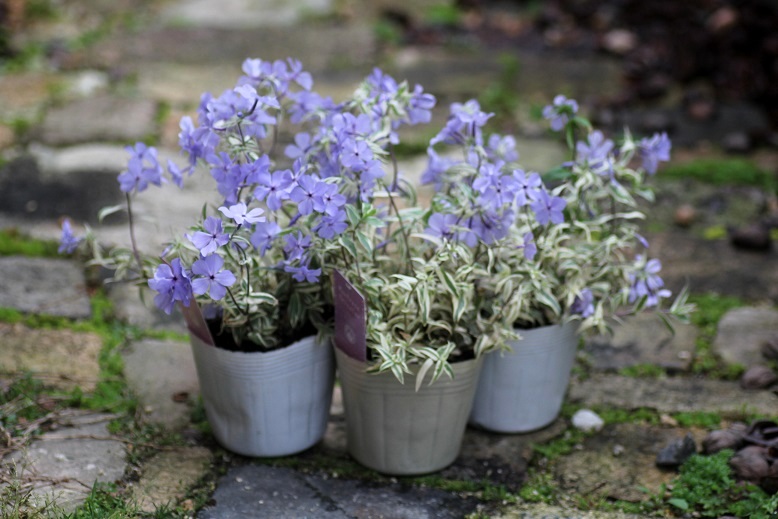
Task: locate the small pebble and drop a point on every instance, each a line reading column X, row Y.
column 618, row 450
column 666, row 419
column 676, row 452
column 619, row 41
column 770, row 348
column 753, row 237
column 758, row 377
column 719, row 440
column 750, row 463
column 685, row 215
column 587, row 420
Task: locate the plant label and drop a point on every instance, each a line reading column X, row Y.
column 350, row 318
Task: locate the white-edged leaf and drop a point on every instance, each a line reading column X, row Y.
column 423, row 371
column 107, row 211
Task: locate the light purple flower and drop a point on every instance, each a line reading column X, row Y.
column 68, row 241
column 172, row 284
column 331, row 225
column 240, row 214
column 308, row 192
column 497, row 190
column 464, row 124
column 548, row 208
column 528, row 187
column 263, row 236
column 583, row 304
column 133, row 179
column 330, row 200
column 214, row 280
column 211, row 238
column 303, row 273
column 296, row 245
column 302, row 143
column 530, row 248
column 595, row 150
column 275, row 187
column 653, row 150
column 646, row 282
column 560, row 112
column 441, row 225
column 502, row 148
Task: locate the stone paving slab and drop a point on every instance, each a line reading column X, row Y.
column 99, row 119
column 672, row 395
column 166, row 477
column 338, row 49
column 135, row 305
column 241, row 14
column 44, row 286
column 541, row 511
column 643, row 339
column 60, row 358
column 62, row 466
column 741, row 333
column 619, row 462
column 51, row 184
column 715, row 266
column 163, row 376
column 260, row 491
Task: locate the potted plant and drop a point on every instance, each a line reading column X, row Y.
column 423, row 281
column 257, row 309
column 577, row 260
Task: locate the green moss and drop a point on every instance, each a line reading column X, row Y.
column 14, row 243
column 702, row 419
column 722, row 171
column 715, row 232
column 616, row 415
column 447, row 14
column 643, row 371
column 540, row 487
column 710, row 309
column 560, row 446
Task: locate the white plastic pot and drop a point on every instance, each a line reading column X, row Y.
column 266, row 403
column 393, row 429
column 522, row 390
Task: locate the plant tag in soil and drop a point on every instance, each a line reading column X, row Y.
column 350, row 318
column 196, row 322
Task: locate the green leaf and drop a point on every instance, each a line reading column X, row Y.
column 107, row 211
column 422, row 372
column 679, row 503
column 557, row 174
column 348, row 243
column 353, row 215
column 548, row 300
column 365, row 242
column 446, row 278
column 459, row 308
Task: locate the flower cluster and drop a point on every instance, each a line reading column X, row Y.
column 498, row 247
column 561, row 246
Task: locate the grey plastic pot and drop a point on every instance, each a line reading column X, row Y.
column 393, row 429
column 522, row 390
column 272, row 403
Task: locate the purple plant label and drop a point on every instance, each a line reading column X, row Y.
column 350, row 318
column 195, row 322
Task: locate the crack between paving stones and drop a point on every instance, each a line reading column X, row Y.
column 330, row 504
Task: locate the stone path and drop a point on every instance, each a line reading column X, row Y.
column 67, row 165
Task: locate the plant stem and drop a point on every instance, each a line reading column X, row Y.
column 132, row 235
